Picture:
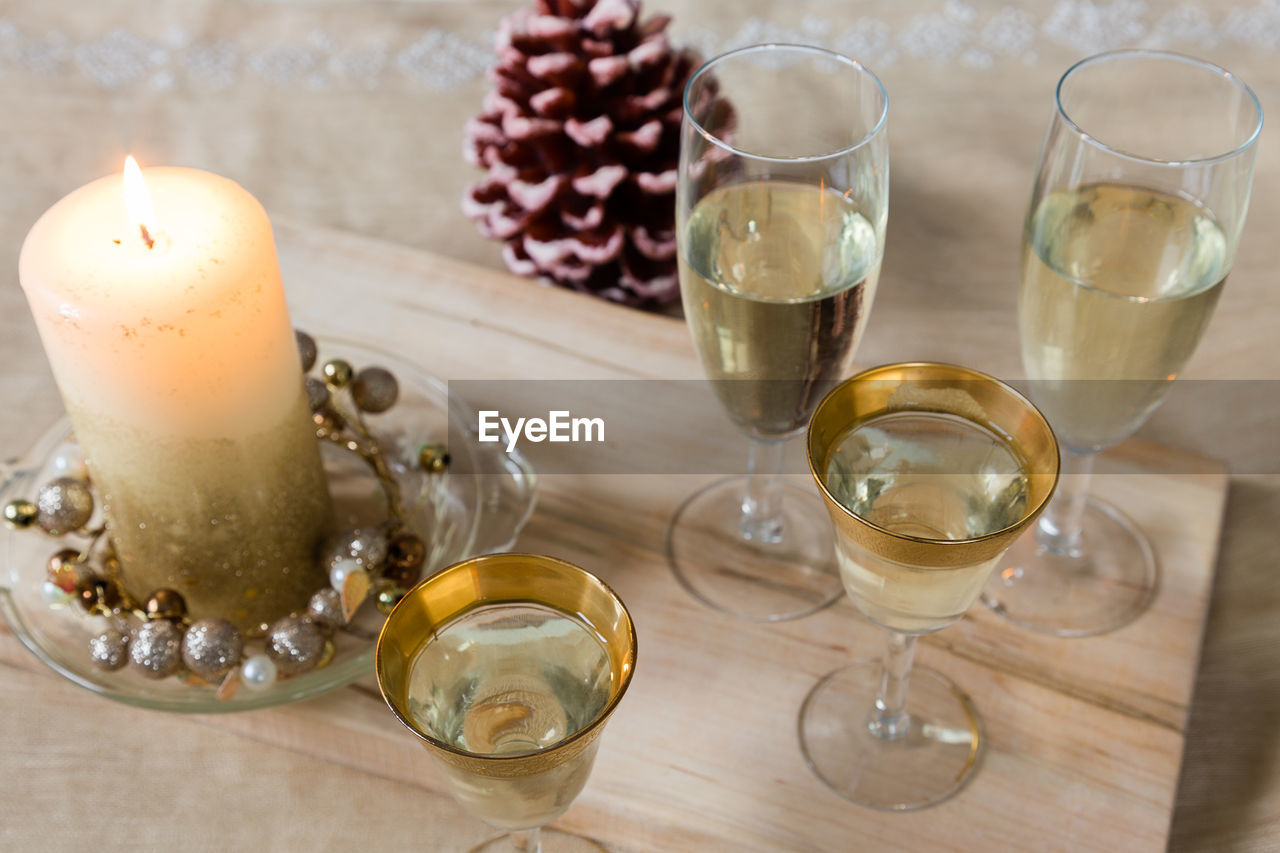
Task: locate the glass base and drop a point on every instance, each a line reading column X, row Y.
column 934, row 759
column 1104, row 584
column 763, row 581
column 552, row 841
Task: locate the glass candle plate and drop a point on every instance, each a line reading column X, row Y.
column 478, row 506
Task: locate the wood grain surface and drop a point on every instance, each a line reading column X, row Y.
column 1085, row 736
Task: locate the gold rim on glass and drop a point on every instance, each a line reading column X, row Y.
column 504, row 579
column 923, row 386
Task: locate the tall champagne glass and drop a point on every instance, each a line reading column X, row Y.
column 780, row 210
column 1134, row 220
column 507, row 668
column 929, row 472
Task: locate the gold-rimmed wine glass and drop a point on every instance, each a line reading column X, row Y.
column 507, row 667
column 929, row 472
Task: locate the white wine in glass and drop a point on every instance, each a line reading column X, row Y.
column 506, row 667
column 781, row 206
column 1118, row 285
column 512, row 679
column 1134, row 220
column 931, row 475
column 777, row 278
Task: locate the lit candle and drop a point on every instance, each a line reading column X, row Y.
column 164, row 320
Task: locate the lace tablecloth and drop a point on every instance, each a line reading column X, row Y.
column 350, row 114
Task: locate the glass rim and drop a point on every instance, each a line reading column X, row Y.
column 854, row 64
column 962, row 373
column 587, row 730
column 1142, row 53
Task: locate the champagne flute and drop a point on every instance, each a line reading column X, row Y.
column 780, row 211
column 1136, row 214
column 929, row 472
column 507, row 667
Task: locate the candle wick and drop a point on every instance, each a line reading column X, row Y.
column 146, row 236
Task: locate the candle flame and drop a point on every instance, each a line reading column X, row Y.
column 138, row 200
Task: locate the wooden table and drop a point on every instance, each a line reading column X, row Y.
column 1085, row 737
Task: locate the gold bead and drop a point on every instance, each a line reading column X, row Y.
column 87, row 595
column 166, row 604
column 65, row 569
column 388, row 598
column 326, row 654
column 400, row 575
column 98, row 595
column 20, row 513
column 433, row 458
column 405, row 553
column 337, row 372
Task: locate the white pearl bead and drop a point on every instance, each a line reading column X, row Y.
column 68, row 461
column 53, row 595
column 258, row 672
column 342, row 568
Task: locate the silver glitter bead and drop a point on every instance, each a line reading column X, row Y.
column 368, row 547
column 258, row 672
column 365, row 545
column 109, row 650
column 317, row 393
column 211, row 648
column 325, row 609
column 295, row 644
column 375, row 390
column 306, row 349
column 156, row 648
column 64, row 505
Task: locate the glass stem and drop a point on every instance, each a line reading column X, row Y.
column 762, row 504
column 527, row 840
column 1059, row 527
column 890, row 720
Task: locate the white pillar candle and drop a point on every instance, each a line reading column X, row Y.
column 178, row 367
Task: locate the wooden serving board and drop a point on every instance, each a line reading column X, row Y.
column 1085, row 736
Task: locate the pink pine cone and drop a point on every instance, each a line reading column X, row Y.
column 580, row 141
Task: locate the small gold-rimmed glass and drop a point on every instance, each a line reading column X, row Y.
column 507, row 667
column 929, row 472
